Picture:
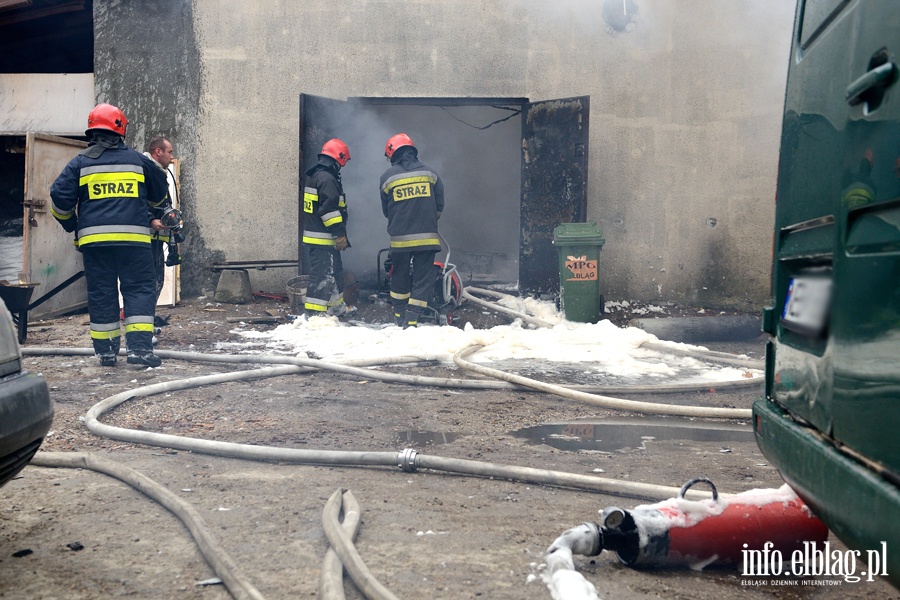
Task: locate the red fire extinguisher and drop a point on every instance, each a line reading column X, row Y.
column 721, row 531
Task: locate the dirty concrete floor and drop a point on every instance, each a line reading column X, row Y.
column 426, row 534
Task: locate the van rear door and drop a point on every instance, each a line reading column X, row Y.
column 866, row 301
column 833, row 366
column 836, row 277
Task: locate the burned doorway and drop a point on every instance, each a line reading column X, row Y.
column 512, row 171
column 12, row 196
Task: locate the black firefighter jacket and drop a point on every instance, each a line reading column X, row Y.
column 412, row 199
column 324, row 206
column 105, row 199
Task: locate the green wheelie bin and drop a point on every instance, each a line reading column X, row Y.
column 579, row 247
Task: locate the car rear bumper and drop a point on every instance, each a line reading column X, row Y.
column 26, row 414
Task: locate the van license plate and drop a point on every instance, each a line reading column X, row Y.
column 806, row 305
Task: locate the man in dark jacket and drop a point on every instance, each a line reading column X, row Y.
column 160, row 151
column 412, row 199
column 325, row 230
column 104, row 195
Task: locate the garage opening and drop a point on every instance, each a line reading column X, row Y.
column 12, row 194
column 512, row 170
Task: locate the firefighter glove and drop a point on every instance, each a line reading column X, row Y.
column 341, row 243
column 70, row 225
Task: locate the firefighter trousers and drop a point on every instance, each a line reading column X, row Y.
column 326, row 279
column 412, row 284
column 129, row 269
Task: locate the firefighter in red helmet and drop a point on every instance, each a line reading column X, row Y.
column 412, row 199
column 104, row 196
column 325, row 230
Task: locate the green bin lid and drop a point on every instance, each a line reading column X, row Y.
column 578, row 233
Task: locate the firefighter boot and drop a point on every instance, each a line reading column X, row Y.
column 336, row 307
column 412, row 317
column 146, row 359
column 109, row 356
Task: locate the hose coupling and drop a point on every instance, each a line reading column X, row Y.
column 406, row 460
column 596, row 538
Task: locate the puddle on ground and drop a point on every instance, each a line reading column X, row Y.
column 612, row 435
column 606, row 435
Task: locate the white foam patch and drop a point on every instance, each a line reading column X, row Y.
column 607, row 348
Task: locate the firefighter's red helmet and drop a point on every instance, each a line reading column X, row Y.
column 396, row 142
column 337, row 150
column 108, row 117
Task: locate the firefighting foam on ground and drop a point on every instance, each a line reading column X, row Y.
column 611, row 353
column 357, row 414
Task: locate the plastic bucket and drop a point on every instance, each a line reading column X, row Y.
column 296, row 289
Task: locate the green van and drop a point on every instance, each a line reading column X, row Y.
column 830, row 421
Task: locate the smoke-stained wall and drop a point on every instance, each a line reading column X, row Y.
column 147, row 62
column 685, row 138
column 686, row 100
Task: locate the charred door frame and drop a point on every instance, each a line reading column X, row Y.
column 554, row 184
column 554, row 171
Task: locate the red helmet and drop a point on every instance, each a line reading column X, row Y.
column 108, row 117
column 396, row 142
column 337, row 150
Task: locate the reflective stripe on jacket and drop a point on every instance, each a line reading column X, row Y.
column 106, row 199
column 324, row 207
column 412, row 195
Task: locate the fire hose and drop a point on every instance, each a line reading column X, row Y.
column 224, row 566
column 354, row 368
column 604, row 401
column 660, row 534
column 331, row 578
column 342, row 545
column 408, row 459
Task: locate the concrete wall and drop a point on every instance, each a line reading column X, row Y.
column 55, row 103
column 146, row 61
column 686, row 97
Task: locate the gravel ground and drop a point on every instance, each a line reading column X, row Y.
column 427, row 534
